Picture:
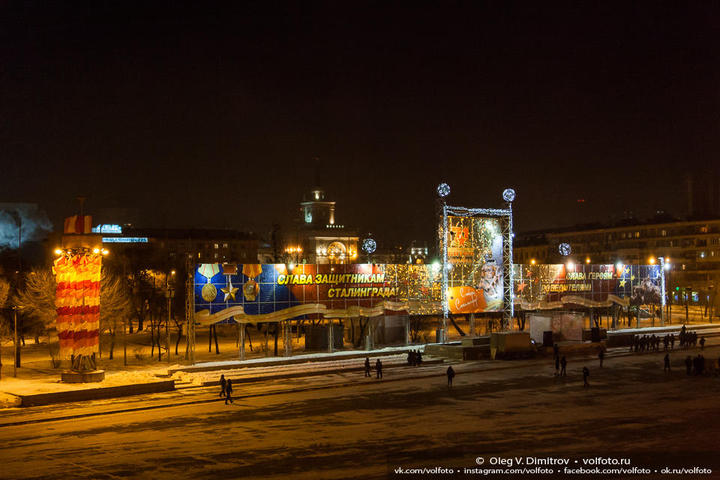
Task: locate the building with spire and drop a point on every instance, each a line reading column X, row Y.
column 317, row 238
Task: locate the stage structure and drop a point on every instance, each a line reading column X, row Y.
column 477, row 259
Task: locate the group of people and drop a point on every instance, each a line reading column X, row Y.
column 561, row 365
column 652, row 342
column 695, row 365
column 378, row 368
column 226, row 389
column 414, row 358
column 690, row 339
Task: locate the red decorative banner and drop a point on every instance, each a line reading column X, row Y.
column 77, row 300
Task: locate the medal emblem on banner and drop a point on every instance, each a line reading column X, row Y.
column 230, row 290
column 209, row 270
column 251, row 288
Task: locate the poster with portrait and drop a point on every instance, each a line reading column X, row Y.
column 475, row 255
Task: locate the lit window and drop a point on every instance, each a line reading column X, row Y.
column 217, row 246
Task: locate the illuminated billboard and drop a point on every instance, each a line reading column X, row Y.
column 344, row 290
column 552, row 286
column 475, row 256
column 268, row 288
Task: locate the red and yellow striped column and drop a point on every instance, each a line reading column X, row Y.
column 78, row 303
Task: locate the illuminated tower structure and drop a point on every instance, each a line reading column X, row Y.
column 77, row 270
column 318, row 238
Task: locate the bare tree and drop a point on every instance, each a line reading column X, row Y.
column 36, row 300
column 115, row 304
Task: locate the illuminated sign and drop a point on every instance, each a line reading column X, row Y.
column 125, row 240
column 105, row 228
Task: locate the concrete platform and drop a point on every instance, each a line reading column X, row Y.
column 32, row 400
column 83, row 377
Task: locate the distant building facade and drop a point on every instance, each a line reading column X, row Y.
column 691, row 247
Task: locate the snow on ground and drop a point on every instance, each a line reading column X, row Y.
column 28, row 386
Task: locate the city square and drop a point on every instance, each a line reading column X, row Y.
column 359, row 240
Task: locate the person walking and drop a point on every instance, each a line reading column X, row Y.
column 702, row 343
column 688, row 365
column 586, row 374
column 666, row 368
column 228, row 392
column 601, row 356
column 563, row 366
column 223, row 384
column 378, row 369
column 450, row 375
column 367, row 367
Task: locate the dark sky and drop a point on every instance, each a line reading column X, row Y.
column 206, row 114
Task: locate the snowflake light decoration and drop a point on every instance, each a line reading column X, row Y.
column 443, row 189
column 369, row 245
column 508, row 195
column 564, row 249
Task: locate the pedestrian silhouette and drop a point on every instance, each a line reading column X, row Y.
column 378, row 369
column 702, row 343
column 586, row 373
column 563, row 366
column 228, row 392
column 367, row 367
column 601, row 356
column 223, row 384
column 688, row 365
column 666, row 368
column 450, row 375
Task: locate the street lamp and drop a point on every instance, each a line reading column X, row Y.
column 16, row 350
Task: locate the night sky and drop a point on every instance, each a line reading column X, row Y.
column 209, row 115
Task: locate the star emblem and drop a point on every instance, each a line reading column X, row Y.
column 229, row 291
column 521, row 287
column 622, row 283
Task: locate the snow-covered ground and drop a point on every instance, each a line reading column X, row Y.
column 365, row 428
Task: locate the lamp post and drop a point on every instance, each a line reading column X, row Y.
column 169, row 293
column 443, row 191
column 16, row 351
column 15, row 343
column 661, row 260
